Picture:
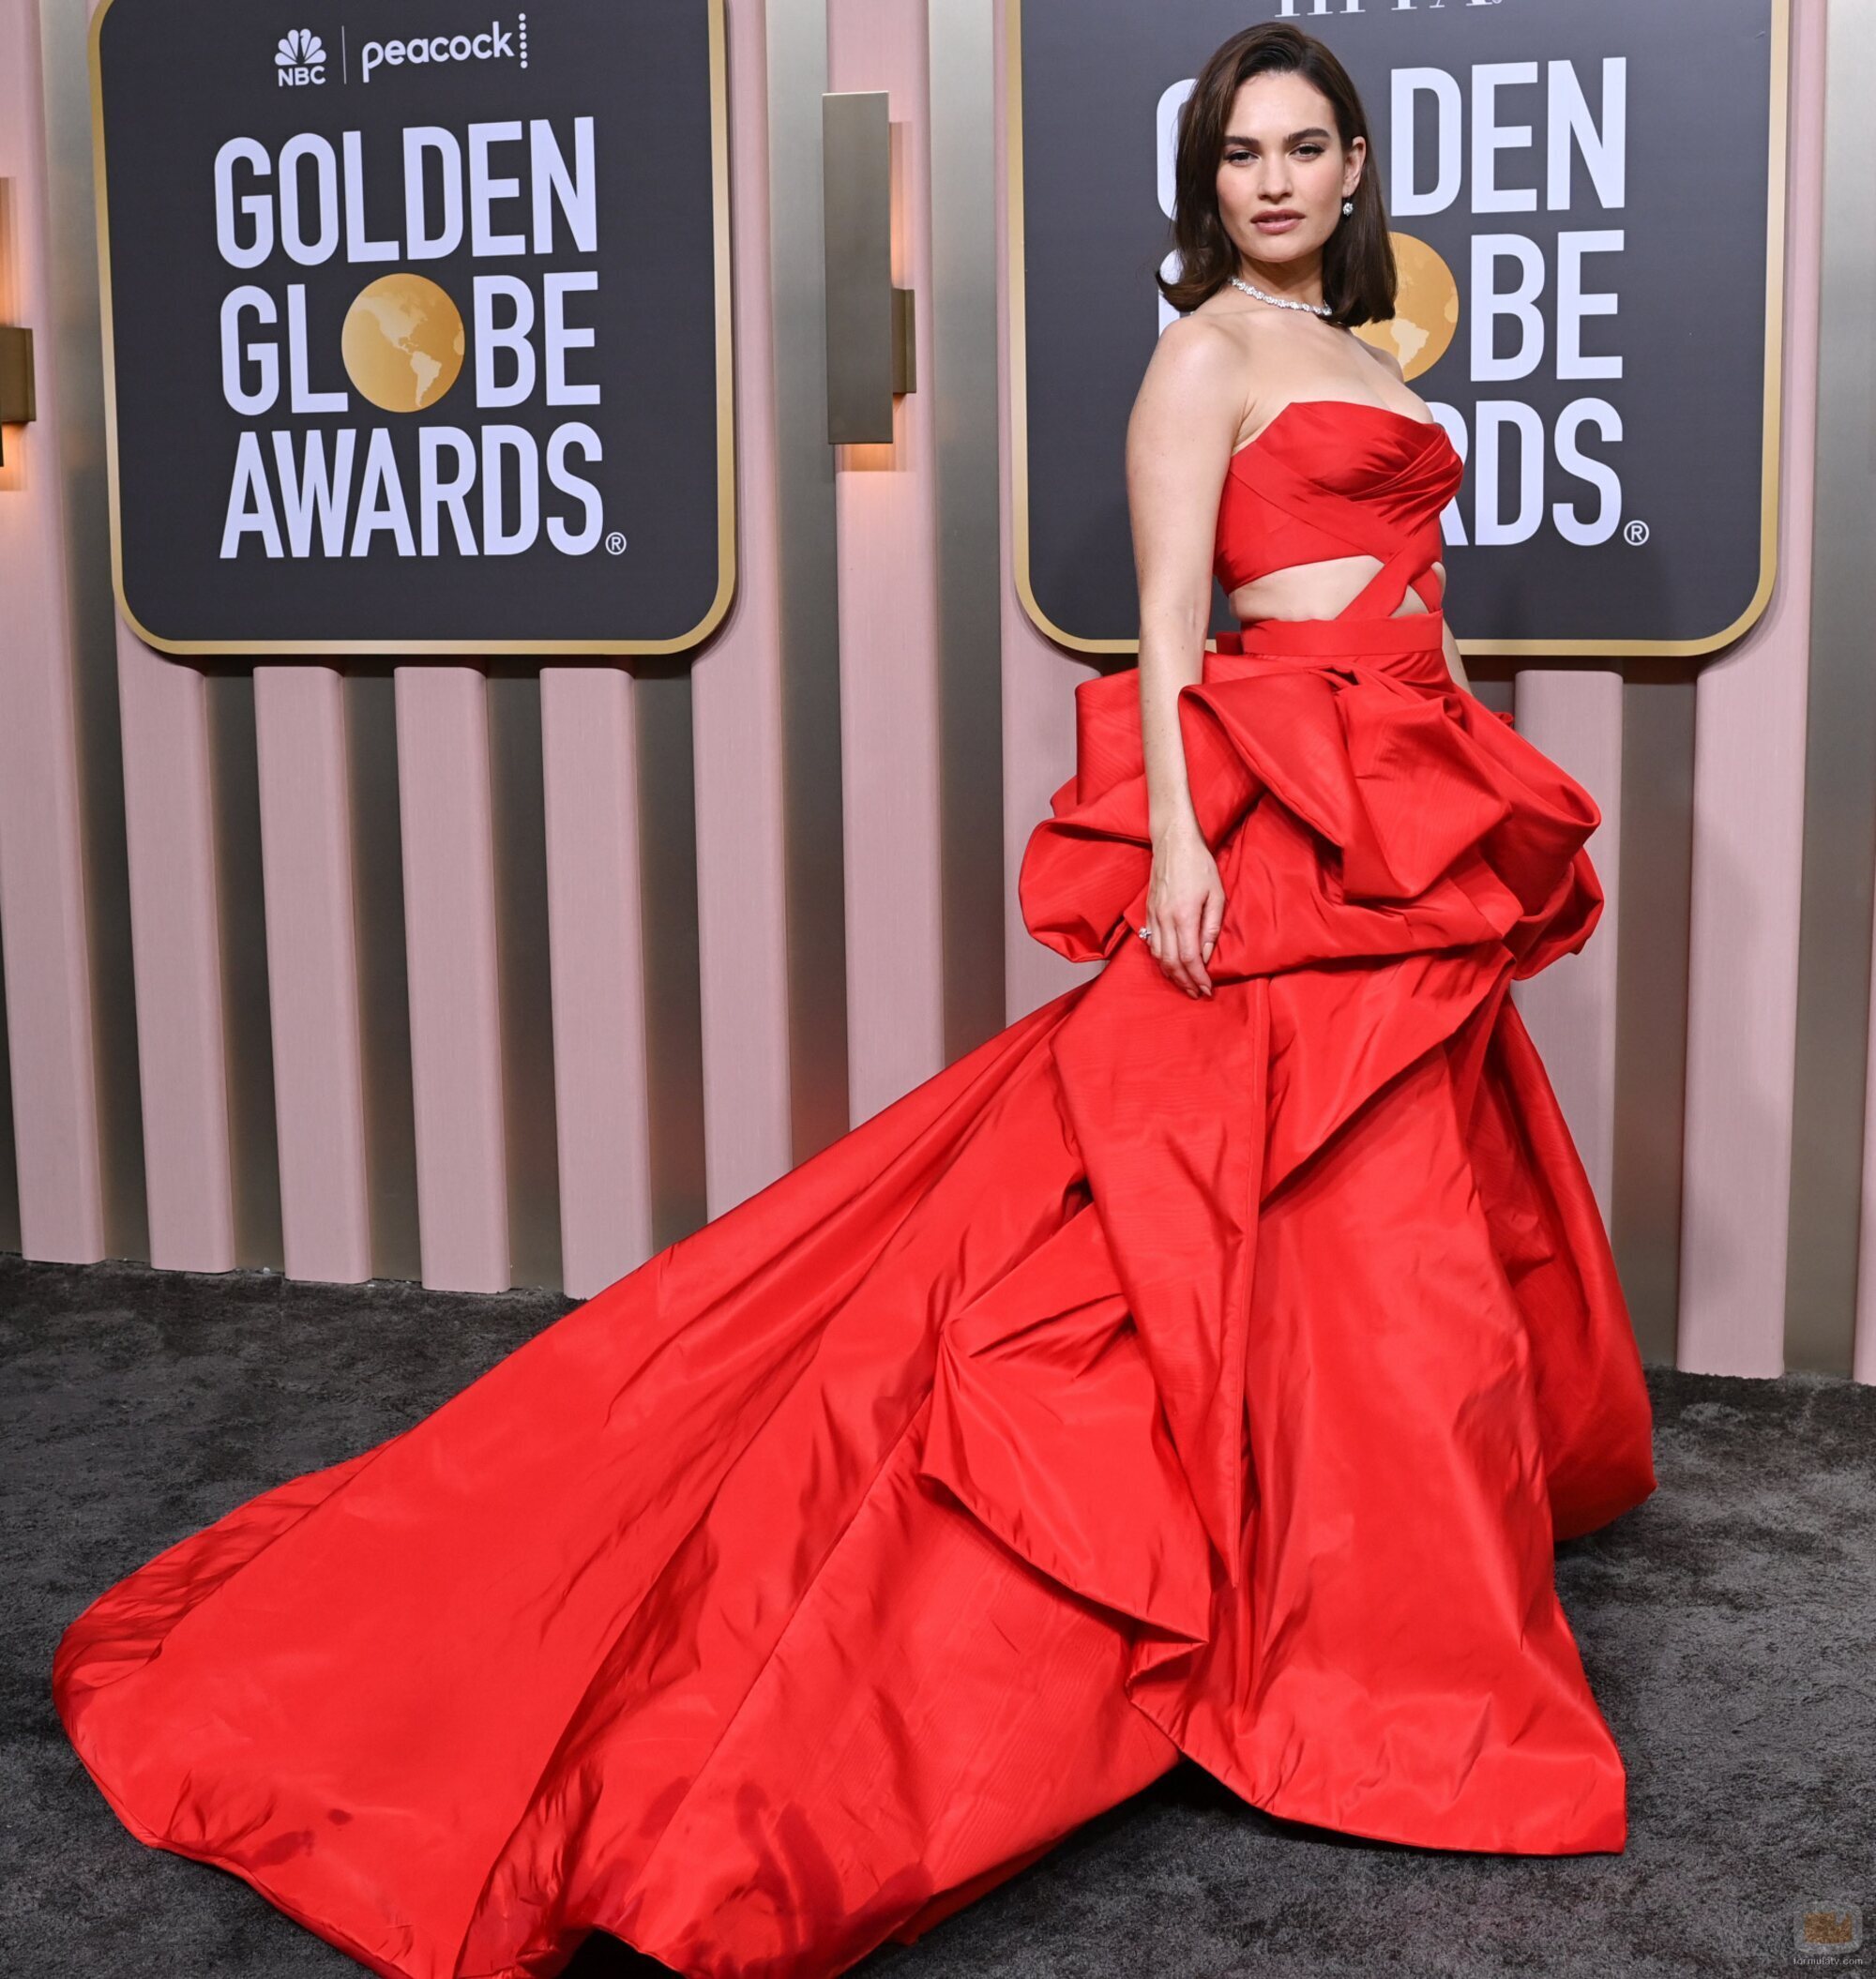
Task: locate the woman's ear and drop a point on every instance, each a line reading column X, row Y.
column 1352, row 171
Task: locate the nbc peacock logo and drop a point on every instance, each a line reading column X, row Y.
column 300, row 59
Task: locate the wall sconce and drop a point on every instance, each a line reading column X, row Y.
column 15, row 382
column 869, row 322
column 16, row 344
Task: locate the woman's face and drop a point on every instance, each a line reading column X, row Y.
column 1283, row 174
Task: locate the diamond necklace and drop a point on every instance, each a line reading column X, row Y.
column 1282, row 302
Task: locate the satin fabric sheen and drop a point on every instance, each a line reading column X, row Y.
column 1164, row 1376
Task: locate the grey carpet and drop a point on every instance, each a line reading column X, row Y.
column 1727, row 1626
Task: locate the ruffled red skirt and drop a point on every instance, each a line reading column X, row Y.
column 1165, row 1375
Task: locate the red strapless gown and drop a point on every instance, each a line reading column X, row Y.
column 1165, row 1375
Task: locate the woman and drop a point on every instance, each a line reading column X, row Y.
column 1268, row 190
column 1203, row 1365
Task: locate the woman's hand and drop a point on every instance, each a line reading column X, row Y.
column 1185, row 907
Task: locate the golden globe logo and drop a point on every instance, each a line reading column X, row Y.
column 402, row 343
column 1426, row 314
column 498, row 190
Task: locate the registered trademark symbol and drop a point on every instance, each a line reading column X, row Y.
column 615, row 543
column 1635, row 532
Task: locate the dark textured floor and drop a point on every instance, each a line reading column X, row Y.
column 1728, row 1627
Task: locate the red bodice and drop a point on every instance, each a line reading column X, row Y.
column 1331, row 477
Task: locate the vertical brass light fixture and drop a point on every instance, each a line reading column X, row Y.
column 870, row 320
column 16, row 342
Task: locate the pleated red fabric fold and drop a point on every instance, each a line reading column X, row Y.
column 1357, row 1245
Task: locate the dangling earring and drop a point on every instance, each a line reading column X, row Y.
column 1348, row 205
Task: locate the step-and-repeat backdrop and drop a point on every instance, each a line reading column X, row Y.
column 418, row 324
column 509, row 806
column 1586, row 199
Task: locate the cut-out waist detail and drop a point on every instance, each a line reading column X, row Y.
column 1411, row 648
column 1314, row 587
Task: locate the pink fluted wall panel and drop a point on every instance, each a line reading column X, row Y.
column 1863, row 1348
column 1039, row 676
column 1576, row 719
column 1748, row 836
column 48, row 962
column 444, row 804
column 313, row 972
column 182, row 1045
column 890, row 728
column 169, row 823
column 593, row 903
column 735, row 687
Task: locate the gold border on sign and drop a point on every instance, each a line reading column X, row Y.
column 726, row 437
column 1770, row 390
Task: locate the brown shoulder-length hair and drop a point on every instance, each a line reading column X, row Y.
column 1358, row 274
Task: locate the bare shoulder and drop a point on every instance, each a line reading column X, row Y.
column 1193, row 389
column 1198, row 349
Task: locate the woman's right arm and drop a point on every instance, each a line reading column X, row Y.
column 1178, row 449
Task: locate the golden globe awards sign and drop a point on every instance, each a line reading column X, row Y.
column 416, row 322
column 1587, row 201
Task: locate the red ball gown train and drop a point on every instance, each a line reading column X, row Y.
column 1164, row 1376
